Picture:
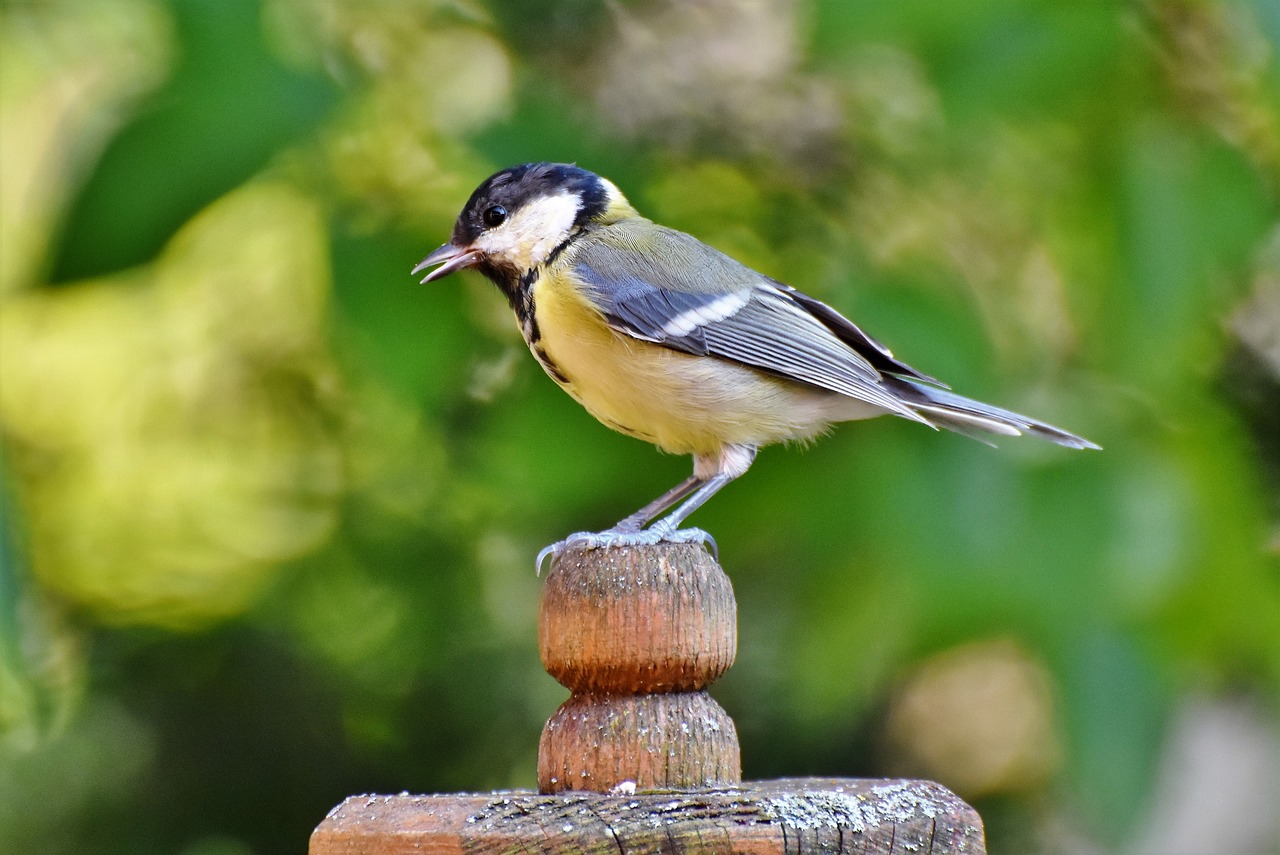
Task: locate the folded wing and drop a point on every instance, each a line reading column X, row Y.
column 686, row 296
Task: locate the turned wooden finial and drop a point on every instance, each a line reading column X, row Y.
column 637, row 635
column 640, row 758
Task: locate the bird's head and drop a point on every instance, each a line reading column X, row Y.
column 518, row 217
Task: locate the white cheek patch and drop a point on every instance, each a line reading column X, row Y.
column 717, row 310
column 534, row 231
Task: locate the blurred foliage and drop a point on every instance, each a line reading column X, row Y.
column 270, row 508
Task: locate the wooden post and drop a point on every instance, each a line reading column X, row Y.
column 786, row 817
column 637, row 635
column 640, row 758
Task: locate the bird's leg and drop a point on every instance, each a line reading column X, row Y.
column 641, row 518
column 630, row 531
column 670, row 524
column 710, row 474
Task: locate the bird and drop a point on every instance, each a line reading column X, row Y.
column 668, row 340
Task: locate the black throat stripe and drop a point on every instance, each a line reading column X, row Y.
column 548, row 366
column 526, row 310
column 518, row 288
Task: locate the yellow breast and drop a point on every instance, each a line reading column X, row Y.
column 683, row 404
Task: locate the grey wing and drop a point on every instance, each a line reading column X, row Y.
column 686, row 296
column 849, row 332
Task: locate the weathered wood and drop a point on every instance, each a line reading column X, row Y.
column 867, row 817
column 655, row 741
column 636, row 634
column 640, row 759
column 640, row 619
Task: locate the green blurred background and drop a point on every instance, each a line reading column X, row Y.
column 270, row 507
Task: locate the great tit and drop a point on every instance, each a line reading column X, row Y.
column 665, row 339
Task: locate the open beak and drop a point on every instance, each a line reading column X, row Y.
column 450, row 257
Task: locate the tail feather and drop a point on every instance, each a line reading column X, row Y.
column 973, row 418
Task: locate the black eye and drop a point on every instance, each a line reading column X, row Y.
column 495, row 216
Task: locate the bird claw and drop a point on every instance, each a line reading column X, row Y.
column 657, row 533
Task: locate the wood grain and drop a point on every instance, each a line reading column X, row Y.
column 639, row 619
column 637, row 634
column 867, row 817
column 668, row 741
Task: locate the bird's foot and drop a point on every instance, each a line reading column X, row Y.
column 656, row 533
